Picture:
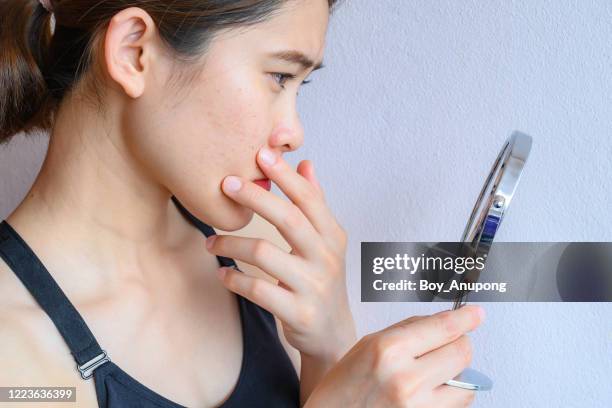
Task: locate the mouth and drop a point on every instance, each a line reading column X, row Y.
column 264, row 183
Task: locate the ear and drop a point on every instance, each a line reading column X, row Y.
column 128, row 48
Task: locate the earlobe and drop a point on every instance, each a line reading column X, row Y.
column 126, row 49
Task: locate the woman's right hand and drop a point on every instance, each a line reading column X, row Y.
column 404, row 365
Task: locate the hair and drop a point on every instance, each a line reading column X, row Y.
column 45, row 56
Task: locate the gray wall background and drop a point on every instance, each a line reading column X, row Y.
column 403, row 124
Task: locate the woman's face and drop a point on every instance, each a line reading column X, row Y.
column 190, row 140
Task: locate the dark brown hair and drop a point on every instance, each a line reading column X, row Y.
column 42, row 60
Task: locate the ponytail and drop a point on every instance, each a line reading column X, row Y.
column 25, row 101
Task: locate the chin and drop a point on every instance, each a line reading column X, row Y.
column 226, row 215
column 234, row 218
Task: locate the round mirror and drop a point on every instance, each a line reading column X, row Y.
column 495, row 197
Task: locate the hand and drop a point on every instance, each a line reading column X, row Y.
column 310, row 299
column 404, row 365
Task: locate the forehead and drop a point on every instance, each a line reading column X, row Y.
column 298, row 24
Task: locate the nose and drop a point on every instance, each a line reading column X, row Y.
column 288, row 137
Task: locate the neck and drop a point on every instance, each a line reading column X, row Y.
column 93, row 199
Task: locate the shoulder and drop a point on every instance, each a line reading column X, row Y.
column 20, row 350
column 261, row 228
column 23, row 361
column 31, row 351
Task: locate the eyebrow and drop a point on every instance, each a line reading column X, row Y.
column 297, row 57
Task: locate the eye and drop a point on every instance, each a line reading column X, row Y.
column 283, row 77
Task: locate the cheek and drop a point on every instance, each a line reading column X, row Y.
column 236, row 127
column 189, row 146
column 222, row 142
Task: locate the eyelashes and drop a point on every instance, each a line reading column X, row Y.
column 284, row 77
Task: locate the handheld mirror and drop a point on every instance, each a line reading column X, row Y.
column 484, row 222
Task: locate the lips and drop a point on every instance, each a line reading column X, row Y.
column 264, row 183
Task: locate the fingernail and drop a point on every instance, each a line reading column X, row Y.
column 232, row 183
column 210, row 241
column 267, row 156
column 221, row 273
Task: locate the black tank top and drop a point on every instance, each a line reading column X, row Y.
column 267, row 377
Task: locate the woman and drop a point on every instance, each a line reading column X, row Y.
column 167, row 119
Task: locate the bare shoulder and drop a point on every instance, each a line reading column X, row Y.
column 21, row 350
column 30, row 348
column 261, row 228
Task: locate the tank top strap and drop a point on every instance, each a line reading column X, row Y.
column 36, row 278
column 207, row 230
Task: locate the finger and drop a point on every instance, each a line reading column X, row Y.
column 306, row 169
column 285, row 216
column 276, row 300
column 448, row 396
column 445, row 363
column 439, row 329
column 301, row 192
column 261, row 253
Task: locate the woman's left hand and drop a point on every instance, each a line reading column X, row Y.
column 310, row 298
